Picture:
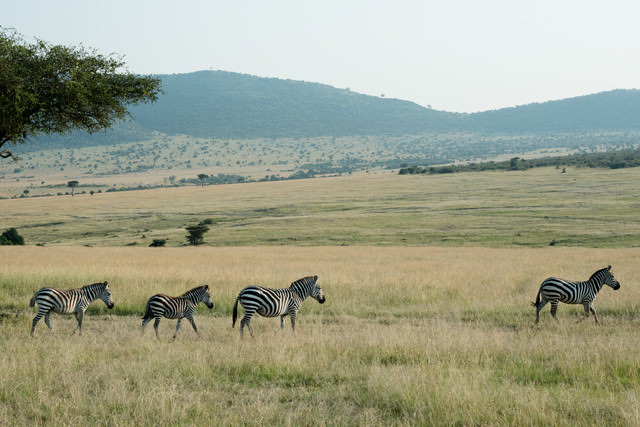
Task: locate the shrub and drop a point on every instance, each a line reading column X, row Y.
column 11, row 237
column 158, row 243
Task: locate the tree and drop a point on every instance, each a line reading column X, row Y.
column 11, row 237
column 196, row 233
column 202, row 177
column 72, row 185
column 47, row 89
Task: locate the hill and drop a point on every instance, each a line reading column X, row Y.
column 219, row 104
column 231, row 105
column 239, row 127
column 613, row 110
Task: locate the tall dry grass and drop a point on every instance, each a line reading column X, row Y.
column 431, row 336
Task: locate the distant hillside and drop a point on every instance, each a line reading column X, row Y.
column 614, row 110
column 216, row 122
column 224, row 105
column 231, row 105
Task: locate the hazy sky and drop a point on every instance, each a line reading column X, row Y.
column 454, row 55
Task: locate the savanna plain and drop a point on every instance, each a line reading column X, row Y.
column 428, row 319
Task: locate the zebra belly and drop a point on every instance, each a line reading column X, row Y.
column 262, row 312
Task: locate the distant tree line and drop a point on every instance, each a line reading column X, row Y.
column 611, row 160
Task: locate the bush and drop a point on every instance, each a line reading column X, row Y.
column 11, row 237
column 158, row 243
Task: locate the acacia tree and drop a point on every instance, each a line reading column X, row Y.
column 202, row 177
column 196, row 234
column 52, row 89
column 72, row 185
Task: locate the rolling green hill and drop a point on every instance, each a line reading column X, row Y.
column 230, row 105
column 221, row 123
column 219, row 104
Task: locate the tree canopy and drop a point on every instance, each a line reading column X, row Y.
column 52, row 89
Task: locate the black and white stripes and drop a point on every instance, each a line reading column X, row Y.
column 176, row 307
column 67, row 301
column 276, row 302
column 556, row 290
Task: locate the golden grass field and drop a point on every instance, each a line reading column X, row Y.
column 427, row 321
column 409, row 335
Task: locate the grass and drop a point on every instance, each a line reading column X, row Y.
column 427, row 320
column 408, row 336
column 535, row 208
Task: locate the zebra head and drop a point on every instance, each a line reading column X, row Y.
column 316, row 291
column 609, row 279
column 106, row 295
column 206, row 297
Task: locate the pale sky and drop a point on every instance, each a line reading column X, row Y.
column 452, row 55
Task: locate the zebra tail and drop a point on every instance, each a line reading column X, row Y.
column 535, row 304
column 147, row 312
column 33, row 300
column 235, row 313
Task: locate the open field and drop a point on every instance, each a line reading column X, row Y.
column 540, row 207
column 408, row 336
column 129, row 160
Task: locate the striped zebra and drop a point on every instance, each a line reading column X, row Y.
column 176, row 307
column 269, row 302
column 67, row 301
column 555, row 290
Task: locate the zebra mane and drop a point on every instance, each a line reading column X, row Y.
column 194, row 290
column 95, row 285
column 599, row 273
column 304, row 284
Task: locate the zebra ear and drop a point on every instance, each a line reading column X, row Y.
column 206, row 287
column 315, row 278
column 609, row 268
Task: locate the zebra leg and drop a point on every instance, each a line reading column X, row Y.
column 155, row 326
column 282, row 322
column 144, row 323
column 586, row 312
column 293, row 321
column 554, row 309
column 246, row 320
column 539, row 307
column 35, row 320
column 193, row 324
column 79, row 315
column 177, row 327
column 593, row 310
column 47, row 321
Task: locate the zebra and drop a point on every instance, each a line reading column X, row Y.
column 554, row 290
column 269, row 302
column 176, row 307
column 67, row 301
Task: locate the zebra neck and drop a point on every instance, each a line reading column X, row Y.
column 91, row 292
column 302, row 292
column 596, row 283
column 192, row 297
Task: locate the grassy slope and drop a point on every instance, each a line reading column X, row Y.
column 584, row 207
